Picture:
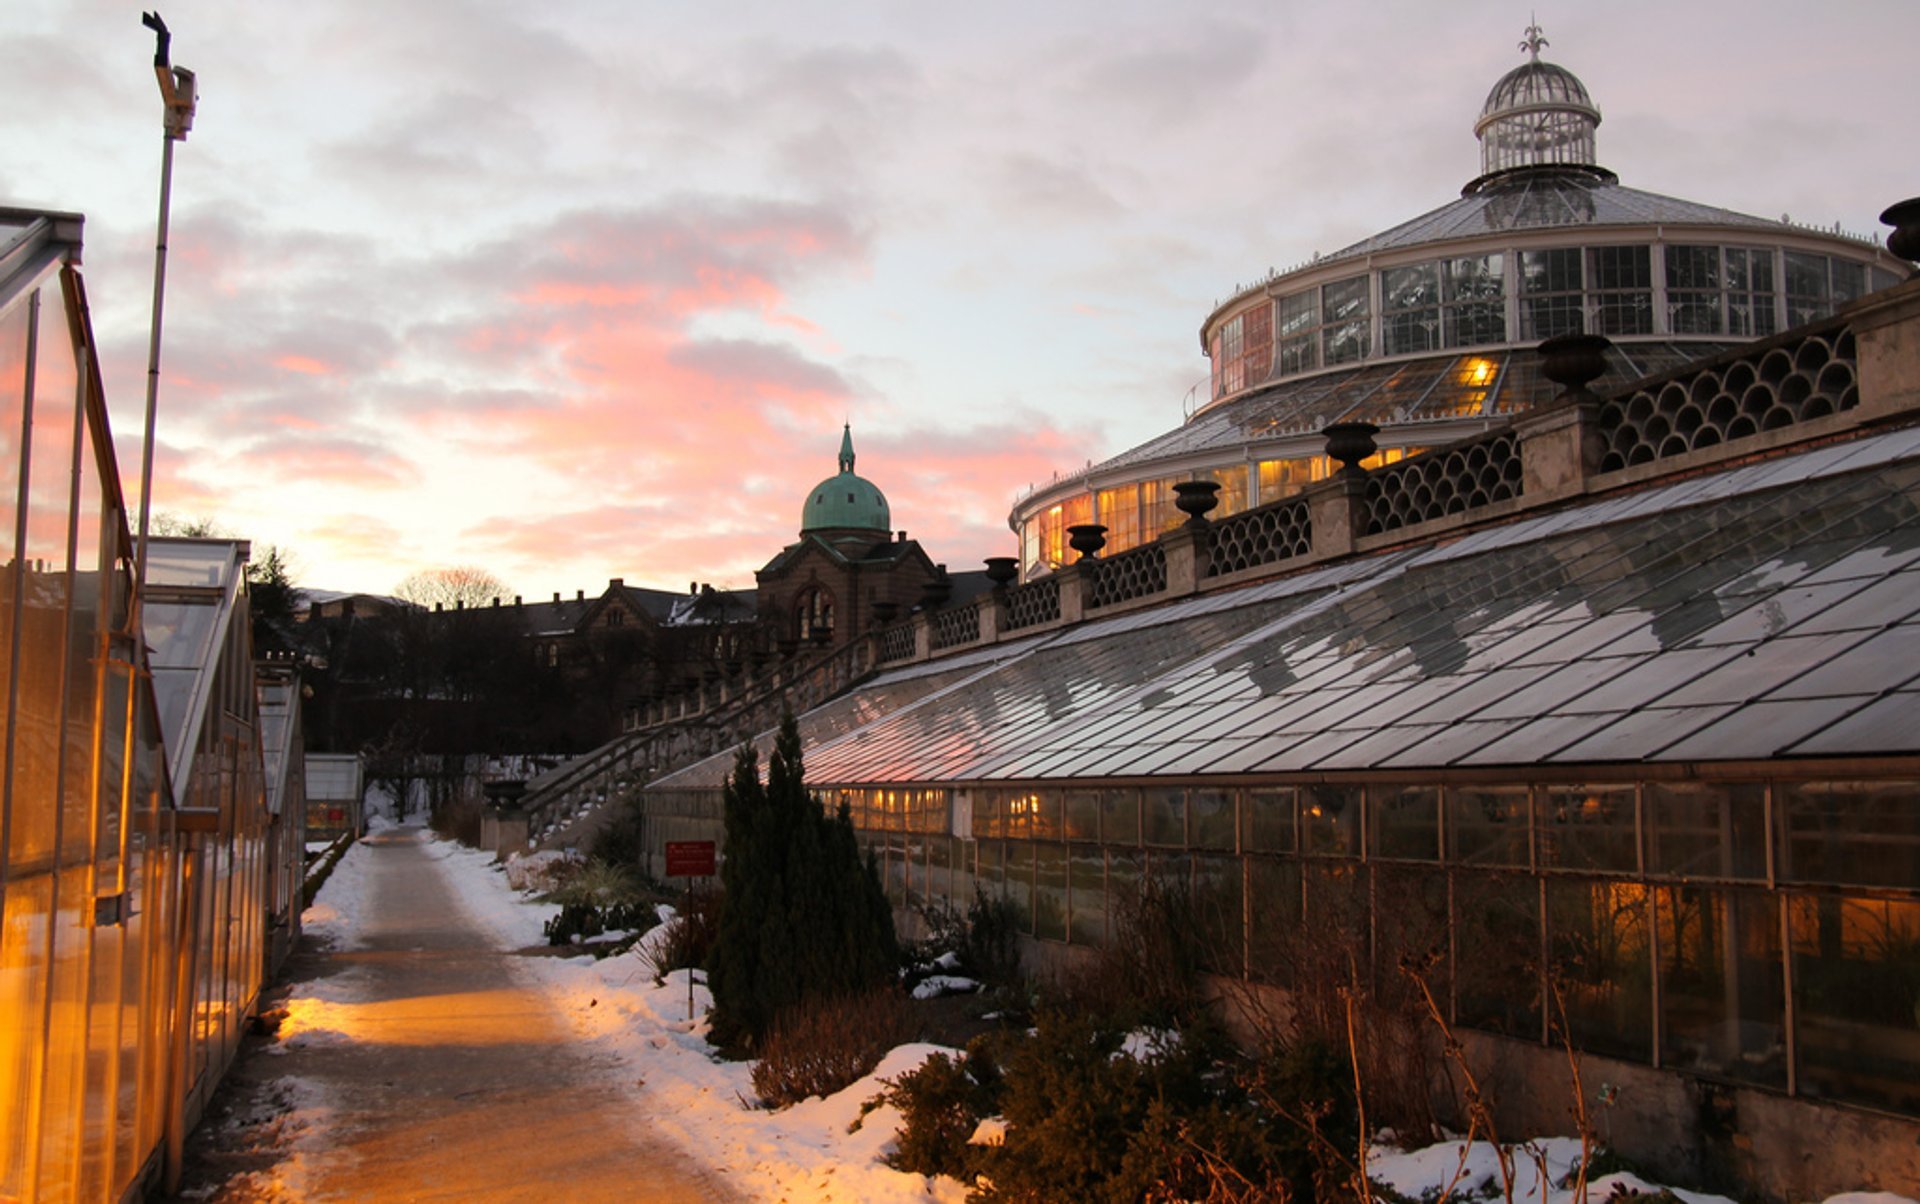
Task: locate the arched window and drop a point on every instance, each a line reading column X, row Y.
column 813, row 614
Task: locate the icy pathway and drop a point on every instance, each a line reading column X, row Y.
column 427, row 1065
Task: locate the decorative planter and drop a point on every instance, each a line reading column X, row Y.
column 1087, row 539
column 1349, row 443
column 1001, row 570
column 1195, row 498
column 1574, row 361
column 1904, row 217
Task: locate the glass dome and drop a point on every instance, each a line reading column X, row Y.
column 1538, row 115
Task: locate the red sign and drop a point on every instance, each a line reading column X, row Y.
column 689, row 859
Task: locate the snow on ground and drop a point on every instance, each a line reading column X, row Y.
column 655, row 1033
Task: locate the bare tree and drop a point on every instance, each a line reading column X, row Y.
column 462, row 585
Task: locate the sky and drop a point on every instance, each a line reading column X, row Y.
column 585, row 289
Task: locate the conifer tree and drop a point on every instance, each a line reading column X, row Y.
column 802, row 916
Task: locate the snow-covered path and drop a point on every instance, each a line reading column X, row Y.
column 428, row 1056
column 424, row 1064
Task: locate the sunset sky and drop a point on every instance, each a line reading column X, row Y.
column 583, row 289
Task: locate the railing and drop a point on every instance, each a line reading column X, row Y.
column 1136, row 573
column 896, row 643
column 1448, row 480
column 1265, row 535
column 1776, row 386
column 1034, row 603
column 956, row 625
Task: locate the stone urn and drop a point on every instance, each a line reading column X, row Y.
column 1001, row 570
column 1904, row 217
column 1195, row 498
column 1574, row 361
column 1087, row 539
column 1348, row 443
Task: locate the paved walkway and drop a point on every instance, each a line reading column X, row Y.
column 457, row 1082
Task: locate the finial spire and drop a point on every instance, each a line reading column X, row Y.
column 846, row 447
column 1534, row 41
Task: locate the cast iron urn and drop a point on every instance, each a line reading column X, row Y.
column 1087, row 539
column 1195, row 498
column 1349, row 443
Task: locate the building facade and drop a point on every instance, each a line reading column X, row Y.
column 1425, row 330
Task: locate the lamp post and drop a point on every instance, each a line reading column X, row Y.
column 178, row 94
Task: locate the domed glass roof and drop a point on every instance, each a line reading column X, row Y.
column 846, row 502
column 1538, row 115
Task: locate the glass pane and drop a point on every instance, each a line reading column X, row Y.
column 940, row 894
column 1087, row 870
column 1406, row 823
column 1410, row 937
column 1856, row 982
column 1164, row 815
column 1330, row 820
column 1488, row 824
column 1588, row 828
column 1050, row 891
column 1081, row 817
column 992, row 867
column 1217, row 905
column 1601, row 967
column 1330, row 945
column 989, row 813
column 1210, row 813
column 1273, row 887
column 1120, row 816
column 1497, row 953
column 1019, row 880
column 1268, row 820
column 1722, row 1005
column 1348, row 335
column 1852, row 832
column 1707, row 829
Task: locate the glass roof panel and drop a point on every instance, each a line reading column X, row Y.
column 181, row 562
column 1638, row 735
column 1763, row 730
column 1647, row 625
column 180, row 633
column 1885, row 725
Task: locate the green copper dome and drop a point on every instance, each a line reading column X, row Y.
column 846, row 502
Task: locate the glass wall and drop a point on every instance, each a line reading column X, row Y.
column 1633, row 917
column 105, row 898
column 1432, row 305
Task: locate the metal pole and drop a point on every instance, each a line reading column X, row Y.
column 177, row 95
column 153, row 376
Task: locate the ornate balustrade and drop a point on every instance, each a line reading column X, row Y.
column 1137, row 573
column 1780, row 384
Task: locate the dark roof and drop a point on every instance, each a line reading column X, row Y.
column 1543, row 199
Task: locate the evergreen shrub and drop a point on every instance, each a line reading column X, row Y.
column 941, row 1102
column 803, row 916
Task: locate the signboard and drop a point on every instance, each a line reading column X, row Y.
column 689, row 859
